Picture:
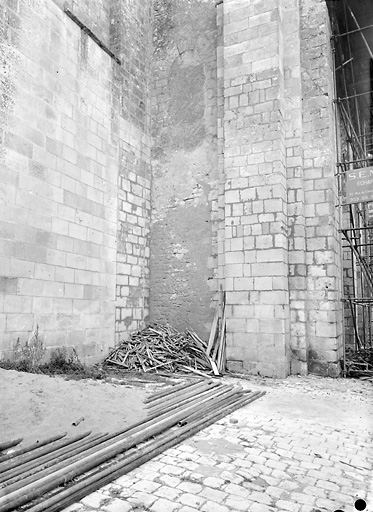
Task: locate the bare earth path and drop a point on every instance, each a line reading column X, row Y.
column 37, row 406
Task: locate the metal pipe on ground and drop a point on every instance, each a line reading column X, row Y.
column 104, row 476
column 176, row 400
column 209, row 394
column 222, row 401
column 22, row 473
column 139, row 426
column 249, row 398
column 33, row 446
column 65, row 474
column 192, row 390
column 169, row 391
column 39, row 466
column 35, row 454
column 5, row 445
column 220, row 398
column 212, row 393
column 41, row 469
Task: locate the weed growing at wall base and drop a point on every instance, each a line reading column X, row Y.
column 31, row 358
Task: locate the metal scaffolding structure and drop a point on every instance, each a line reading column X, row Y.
column 352, row 46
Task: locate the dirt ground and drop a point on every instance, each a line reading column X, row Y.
column 38, row 406
column 305, row 446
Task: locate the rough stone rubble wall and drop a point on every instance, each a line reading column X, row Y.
column 184, row 164
column 64, row 146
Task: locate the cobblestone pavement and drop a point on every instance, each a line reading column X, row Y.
column 304, row 447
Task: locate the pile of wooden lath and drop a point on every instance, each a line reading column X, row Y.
column 54, row 473
column 360, row 364
column 161, row 348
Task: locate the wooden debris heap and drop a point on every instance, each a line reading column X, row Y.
column 161, row 348
column 360, row 364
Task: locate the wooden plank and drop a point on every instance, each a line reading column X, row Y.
column 213, row 333
column 214, row 367
column 222, row 344
column 190, row 369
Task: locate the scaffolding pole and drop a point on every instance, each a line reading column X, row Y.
column 355, row 107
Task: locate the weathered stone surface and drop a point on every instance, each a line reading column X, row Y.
column 64, row 174
column 184, row 165
column 206, row 158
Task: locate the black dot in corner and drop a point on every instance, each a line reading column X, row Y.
column 339, row 510
column 360, row 504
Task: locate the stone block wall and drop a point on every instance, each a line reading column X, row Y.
column 275, row 245
column 282, row 251
column 256, row 253
column 132, row 291
column 133, row 184
column 295, row 187
column 323, row 241
column 130, row 35
column 64, row 176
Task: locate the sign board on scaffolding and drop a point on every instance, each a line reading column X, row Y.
column 359, row 185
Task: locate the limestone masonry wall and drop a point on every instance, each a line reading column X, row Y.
column 256, row 255
column 62, row 183
column 282, row 246
column 153, row 151
column 130, row 31
column 323, row 241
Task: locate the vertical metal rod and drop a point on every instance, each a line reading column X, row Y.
column 362, row 307
column 367, row 257
column 358, row 343
column 354, row 270
column 360, row 31
column 339, row 191
column 352, row 130
column 355, row 100
column 343, row 69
